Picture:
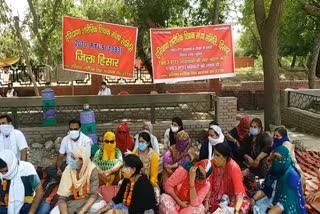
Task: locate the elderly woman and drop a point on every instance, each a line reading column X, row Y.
column 186, row 189
column 78, row 189
column 281, row 192
column 177, row 155
column 147, row 127
column 226, row 182
column 215, row 136
column 109, row 160
column 136, row 192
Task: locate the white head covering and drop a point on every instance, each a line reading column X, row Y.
column 16, row 191
column 218, row 130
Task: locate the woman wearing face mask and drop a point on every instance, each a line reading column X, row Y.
column 256, row 149
column 170, row 133
column 109, row 160
column 150, row 160
column 147, row 127
column 280, row 138
column 177, row 155
column 186, row 189
column 136, row 193
column 281, row 192
column 227, row 190
column 215, row 136
column 124, row 139
column 79, row 185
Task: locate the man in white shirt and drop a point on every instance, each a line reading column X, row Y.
column 11, row 92
column 75, row 138
column 104, row 91
column 12, row 139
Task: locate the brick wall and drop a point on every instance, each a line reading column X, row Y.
column 244, row 62
column 200, row 86
column 226, row 111
column 304, row 121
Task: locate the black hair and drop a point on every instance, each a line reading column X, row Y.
column 10, row 84
column 9, row 120
column 133, row 161
column 282, row 131
column 75, row 121
column 213, row 122
column 257, row 121
column 171, row 134
column 103, row 83
column 224, row 149
column 146, row 136
column 3, row 164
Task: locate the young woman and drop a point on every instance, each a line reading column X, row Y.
column 186, row 189
column 215, row 136
column 177, row 155
column 136, row 193
column 170, row 133
column 281, row 192
column 226, row 180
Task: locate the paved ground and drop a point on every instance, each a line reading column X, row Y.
column 310, row 142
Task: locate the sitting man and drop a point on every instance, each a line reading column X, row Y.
column 21, row 190
column 12, row 139
column 75, row 138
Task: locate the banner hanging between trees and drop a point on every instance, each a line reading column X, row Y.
column 98, row 47
column 192, row 53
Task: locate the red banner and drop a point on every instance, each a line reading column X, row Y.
column 99, row 48
column 193, row 53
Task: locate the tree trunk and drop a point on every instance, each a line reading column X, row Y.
column 318, row 67
column 26, row 55
column 293, row 62
column 268, row 25
column 216, row 12
column 313, row 62
column 271, row 82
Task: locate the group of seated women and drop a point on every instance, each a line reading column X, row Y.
column 217, row 180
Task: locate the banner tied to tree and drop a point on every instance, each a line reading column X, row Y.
column 193, row 53
column 98, row 47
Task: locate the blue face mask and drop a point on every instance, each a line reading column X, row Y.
column 142, row 146
column 253, row 131
column 73, row 164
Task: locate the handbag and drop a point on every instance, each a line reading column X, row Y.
column 108, row 192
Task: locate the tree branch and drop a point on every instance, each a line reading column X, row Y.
column 313, row 10
column 260, row 14
column 54, row 21
column 35, row 23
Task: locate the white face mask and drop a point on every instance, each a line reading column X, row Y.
column 74, row 134
column 5, row 129
column 213, row 141
column 174, row 128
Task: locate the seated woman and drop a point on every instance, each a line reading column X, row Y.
column 255, row 150
column 150, row 160
column 79, row 185
column 170, row 133
column 186, row 189
column 108, row 160
column 136, row 192
column 124, row 139
column 215, row 136
column 226, row 181
column 281, row 192
column 147, row 127
column 177, row 155
column 236, row 136
column 280, row 138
